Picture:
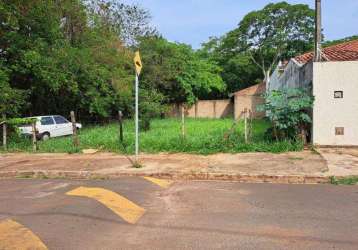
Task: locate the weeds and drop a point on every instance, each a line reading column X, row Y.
column 353, row 180
column 203, row 136
column 296, row 158
column 24, row 176
column 137, row 165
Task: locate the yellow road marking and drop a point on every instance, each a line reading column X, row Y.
column 160, row 182
column 15, row 236
column 123, row 207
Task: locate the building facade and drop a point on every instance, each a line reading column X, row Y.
column 334, row 84
column 335, row 112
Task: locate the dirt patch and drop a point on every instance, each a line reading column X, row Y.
column 250, row 163
column 293, row 167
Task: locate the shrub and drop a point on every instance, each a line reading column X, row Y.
column 288, row 110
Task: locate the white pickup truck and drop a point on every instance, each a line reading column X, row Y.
column 50, row 126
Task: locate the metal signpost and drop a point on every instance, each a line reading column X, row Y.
column 138, row 69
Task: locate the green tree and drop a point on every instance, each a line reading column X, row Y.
column 129, row 22
column 248, row 53
column 11, row 100
column 238, row 71
column 77, row 55
column 65, row 58
column 277, row 31
column 176, row 71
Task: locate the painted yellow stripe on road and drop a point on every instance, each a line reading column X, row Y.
column 160, row 182
column 15, row 236
column 120, row 205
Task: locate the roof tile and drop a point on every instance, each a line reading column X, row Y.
column 347, row 51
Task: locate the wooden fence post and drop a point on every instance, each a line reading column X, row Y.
column 120, row 120
column 214, row 108
column 250, row 123
column 34, row 138
column 183, row 120
column 196, row 109
column 76, row 142
column 4, row 132
column 245, row 118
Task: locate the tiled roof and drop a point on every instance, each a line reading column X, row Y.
column 347, row 51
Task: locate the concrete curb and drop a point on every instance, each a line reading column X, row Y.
column 243, row 178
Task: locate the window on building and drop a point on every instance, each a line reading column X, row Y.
column 338, row 94
column 339, row 131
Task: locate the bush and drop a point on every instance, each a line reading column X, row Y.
column 288, row 110
column 13, row 132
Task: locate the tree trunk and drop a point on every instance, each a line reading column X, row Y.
column 267, row 75
column 183, row 121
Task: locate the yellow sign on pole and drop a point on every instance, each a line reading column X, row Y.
column 137, row 63
column 138, row 69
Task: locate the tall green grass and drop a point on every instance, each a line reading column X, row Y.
column 203, row 136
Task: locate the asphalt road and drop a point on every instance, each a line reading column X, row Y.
column 135, row 213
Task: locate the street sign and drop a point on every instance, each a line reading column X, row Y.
column 137, row 63
column 138, row 69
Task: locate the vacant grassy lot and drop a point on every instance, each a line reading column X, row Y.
column 203, row 136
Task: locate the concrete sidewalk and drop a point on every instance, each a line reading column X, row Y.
column 341, row 162
column 293, row 167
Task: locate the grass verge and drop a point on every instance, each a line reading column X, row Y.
column 353, row 180
column 203, row 136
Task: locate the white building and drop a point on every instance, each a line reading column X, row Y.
column 334, row 84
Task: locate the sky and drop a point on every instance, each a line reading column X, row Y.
column 194, row 21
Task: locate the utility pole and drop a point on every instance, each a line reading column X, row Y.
column 318, row 33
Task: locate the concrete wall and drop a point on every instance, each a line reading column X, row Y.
column 205, row 109
column 250, row 102
column 295, row 75
column 249, row 99
column 330, row 113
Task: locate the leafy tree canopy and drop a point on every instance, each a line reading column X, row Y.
column 248, row 53
column 177, row 71
column 277, row 31
column 57, row 56
column 129, row 22
column 49, row 50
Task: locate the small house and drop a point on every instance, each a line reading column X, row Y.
column 334, row 84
